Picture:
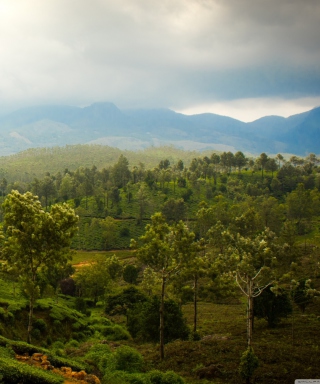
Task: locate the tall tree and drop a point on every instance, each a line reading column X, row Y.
column 34, row 239
column 166, row 249
column 262, row 162
column 250, row 259
column 120, row 172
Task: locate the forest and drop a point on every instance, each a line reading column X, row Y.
column 159, row 266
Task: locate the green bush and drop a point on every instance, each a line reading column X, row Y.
column 248, row 364
column 36, row 333
column 2, row 313
column 115, row 332
column 144, row 321
column 100, row 356
column 119, row 304
column 40, row 324
column 130, row 274
column 128, row 359
column 157, row 377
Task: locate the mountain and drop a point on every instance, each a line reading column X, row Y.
column 105, row 124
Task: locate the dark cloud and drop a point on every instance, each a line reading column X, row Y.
column 149, row 53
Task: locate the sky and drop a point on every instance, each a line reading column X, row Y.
column 240, row 58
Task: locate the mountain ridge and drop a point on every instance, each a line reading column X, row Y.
column 58, row 125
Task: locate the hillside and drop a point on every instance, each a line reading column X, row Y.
column 105, row 124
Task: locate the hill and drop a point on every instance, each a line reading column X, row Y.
column 105, row 124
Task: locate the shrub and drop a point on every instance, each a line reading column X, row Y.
column 119, row 304
column 157, row 377
column 124, row 232
column 68, row 286
column 36, row 333
column 130, row 274
column 144, row 321
column 272, row 307
column 248, row 364
column 115, row 333
column 128, row 359
column 81, row 305
column 100, row 356
column 40, row 324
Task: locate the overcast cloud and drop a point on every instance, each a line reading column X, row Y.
column 243, row 58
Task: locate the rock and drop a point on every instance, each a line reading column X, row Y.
column 79, row 375
column 37, row 356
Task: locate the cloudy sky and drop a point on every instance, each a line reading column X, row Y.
column 240, row 58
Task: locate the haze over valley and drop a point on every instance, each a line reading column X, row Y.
column 136, row 129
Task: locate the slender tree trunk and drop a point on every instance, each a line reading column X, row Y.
column 195, row 304
column 163, row 287
column 249, row 312
column 30, row 316
column 31, row 306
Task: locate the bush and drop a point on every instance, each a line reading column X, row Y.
column 248, row 364
column 40, row 324
column 81, row 305
column 128, row 359
column 157, row 377
column 119, row 304
column 115, row 333
column 272, row 307
column 130, row 274
column 100, row 356
column 144, row 321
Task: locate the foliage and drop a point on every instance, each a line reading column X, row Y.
column 271, row 306
column 143, row 321
column 16, row 372
column 115, row 332
column 35, row 239
column 248, row 364
column 122, row 302
column 303, row 293
column 130, row 274
column 128, row 359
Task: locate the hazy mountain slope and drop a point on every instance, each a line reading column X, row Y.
column 133, row 129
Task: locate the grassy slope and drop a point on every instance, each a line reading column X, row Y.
column 27, row 165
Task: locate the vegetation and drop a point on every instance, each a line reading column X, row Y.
column 217, row 241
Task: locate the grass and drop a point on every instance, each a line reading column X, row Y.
column 223, row 339
column 87, row 257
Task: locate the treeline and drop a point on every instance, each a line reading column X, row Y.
column 104, row 183
column 104, row 196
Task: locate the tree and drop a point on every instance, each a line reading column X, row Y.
column 299, row 206
column 250, row 260
column 143, row 320
column 109, row 228
column 303, row 293
column 130, row 274
column 174, row 209
column 120, row 172
column 166, row 249
column 262, row 162
column 34, row 239
column 240, row 160
column 142, row 197
column 272, row 307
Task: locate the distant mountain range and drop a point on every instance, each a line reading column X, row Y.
column 105, row 124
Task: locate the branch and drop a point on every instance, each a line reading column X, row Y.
column 243, row 291
column 261, row 289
